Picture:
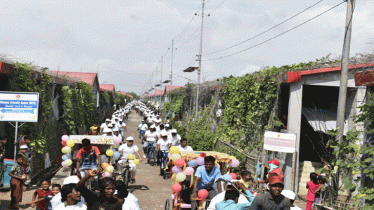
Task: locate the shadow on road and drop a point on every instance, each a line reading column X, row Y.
column 133, row 188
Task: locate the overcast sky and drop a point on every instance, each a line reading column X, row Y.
column 124, row 40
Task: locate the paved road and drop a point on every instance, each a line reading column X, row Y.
column 150, row 188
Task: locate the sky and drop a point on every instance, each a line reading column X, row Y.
column 124, row 40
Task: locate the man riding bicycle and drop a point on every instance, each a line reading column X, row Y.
column 162, row 149
column 151, row 137
column 125, row 150
column 142, row 129
column 88, row 157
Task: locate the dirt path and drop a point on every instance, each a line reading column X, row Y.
column 150, row 188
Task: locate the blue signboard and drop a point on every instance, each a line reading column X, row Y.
column 21, row 107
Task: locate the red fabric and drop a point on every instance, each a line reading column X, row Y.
column 41, row 194
column 277, row 171
column 311, row 188
column 79, row 154
column 309, row 205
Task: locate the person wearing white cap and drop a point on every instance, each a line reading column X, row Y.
column 291, row 196
column 104, row 125
column 151, row 137
column 122, row 127
column 142, row 129
column 106, row 131
column 174, row 138
column 167, row 129
column 162, row 149
column 116, row 133
column 125, row 150
column 56, row 200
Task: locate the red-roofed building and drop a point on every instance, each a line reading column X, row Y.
column 107, row 87
column 308, row 108
column 168, row 88
column 87, row 77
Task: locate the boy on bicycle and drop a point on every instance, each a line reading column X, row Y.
column 125, row 150
column 88, row 157
column 151, row 137
column 162, row 149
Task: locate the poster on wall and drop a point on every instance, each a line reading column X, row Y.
column 280, row 142
column 19, row 107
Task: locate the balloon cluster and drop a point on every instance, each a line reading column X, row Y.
column 66, row 149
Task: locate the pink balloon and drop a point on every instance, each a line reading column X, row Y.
column 176, row 169
column 189, row 171
column 200, row 161
column 117, row 140
column 106, row 174
column 180, row 162
column 63, row 164
column 176, row 187
column 63, row 143
column 234, row 163
column 203, row 193
column 65, row 138
column 233, row 175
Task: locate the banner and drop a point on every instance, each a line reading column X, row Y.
column 108, row 140
column 280, row 142
column 21, row 107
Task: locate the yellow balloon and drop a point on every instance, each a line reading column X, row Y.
column 232, row 157
column 109, row 152
column 70, row 143
column 68, row 162
column 110, row 169
column 181, row 177
column 131, row 156
column 66, row 150
column 174, row 150
column 175, row 156
column 136, row 161
column 104, row 165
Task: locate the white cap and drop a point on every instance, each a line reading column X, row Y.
column 130, row 138
column 115, row 129
column 107, row 119
column 24, row 147
column 120, row 120
column 164, row 133
column 152, row 126
column 167, row 125
column 71, row 180
column 110, row 125
column 174, row 131
column 289, row 194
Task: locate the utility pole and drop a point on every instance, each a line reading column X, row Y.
column 172, row 57
column 162, row 61
column 200, row 57
column 344, row 72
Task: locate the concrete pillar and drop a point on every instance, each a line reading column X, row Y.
column 293, row 126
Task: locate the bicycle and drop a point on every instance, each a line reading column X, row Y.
column 90, row 183
column 151, row 154
column 163, row 163
column 126, row 174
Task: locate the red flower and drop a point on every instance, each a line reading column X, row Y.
column 203, row 154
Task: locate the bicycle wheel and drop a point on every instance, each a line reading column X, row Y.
column 125, row 176
column 168, row 204
column 153, row 158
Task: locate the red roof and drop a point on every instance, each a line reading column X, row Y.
column 86, row 77
column 108, row 87
column 295, row 76
column 159, row 93
column 169, row 87
column 126, row 94
column 6, row 68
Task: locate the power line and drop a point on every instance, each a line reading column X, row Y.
column 267, row 29
column 188, row 39
column 276, row 35
column 185, row 29
column 218, row 7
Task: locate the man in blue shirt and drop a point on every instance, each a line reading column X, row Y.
column 232, row 198
column 205, row 176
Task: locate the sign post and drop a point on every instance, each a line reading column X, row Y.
column 18, row 107
column 280, row 142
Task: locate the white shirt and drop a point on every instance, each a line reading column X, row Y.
column 103, row 126
column 122, row 126
column 143, row 127
column 174, row 140
column 164, row 145
column 158, row 129
column 168, row 132
column 124, row 149
column 130, row 205
column 152, row 136
column 187, row 148
column 73, row 207
column 221, row 196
